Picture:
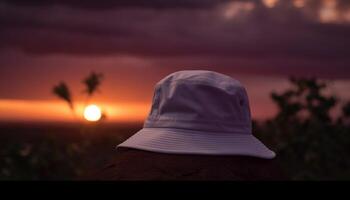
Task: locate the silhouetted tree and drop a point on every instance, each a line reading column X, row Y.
column 310, row 143
column 62, row 91
column 92, row 83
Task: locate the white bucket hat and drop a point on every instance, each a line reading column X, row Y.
column 199, row 112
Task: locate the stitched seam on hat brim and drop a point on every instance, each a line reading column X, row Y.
column 155, row 120
column 250, row 154
column 197, row 131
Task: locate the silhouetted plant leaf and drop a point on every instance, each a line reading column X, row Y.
column 92, row 82
column 346, row 109
column 62, row 91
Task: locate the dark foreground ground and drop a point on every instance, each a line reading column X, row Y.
column 67, row 151
column 58, row 151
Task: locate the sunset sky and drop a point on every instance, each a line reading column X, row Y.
column 136, row 43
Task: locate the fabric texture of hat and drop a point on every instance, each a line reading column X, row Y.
column 199, row 112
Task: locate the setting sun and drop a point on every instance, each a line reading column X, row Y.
column 92, row 113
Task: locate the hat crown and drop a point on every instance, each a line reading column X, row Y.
column 200, row 100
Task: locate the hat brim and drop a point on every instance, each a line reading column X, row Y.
column 180, row 141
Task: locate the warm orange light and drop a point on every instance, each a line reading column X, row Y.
column 328, row 12
column 234, row 8
column 299, row 3
column 51, row 111
column 270, row 3
column 92, row 113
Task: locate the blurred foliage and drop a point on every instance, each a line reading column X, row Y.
column 58, row 152
column 62, row 91
column 310, row 143
column 92, row 82
column 47, row 159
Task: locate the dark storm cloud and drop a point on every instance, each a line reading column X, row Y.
column 156, row 4
column 261, row 32
column 214, row 31
column 115, row 4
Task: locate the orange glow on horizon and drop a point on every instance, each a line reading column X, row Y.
column 33, row 110
column 57, row 111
